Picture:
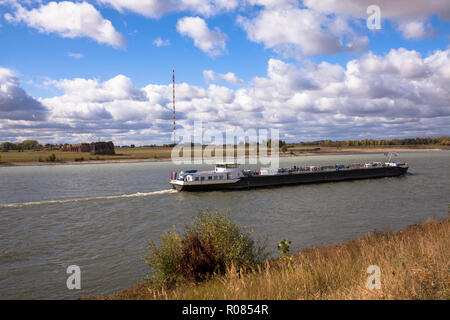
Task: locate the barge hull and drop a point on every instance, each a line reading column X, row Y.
column 265, row 181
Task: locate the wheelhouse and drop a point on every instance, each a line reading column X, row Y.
column 223, row 173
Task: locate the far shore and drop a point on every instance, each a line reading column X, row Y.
column 343, row 151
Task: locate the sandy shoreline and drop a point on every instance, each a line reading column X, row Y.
column 295, row 154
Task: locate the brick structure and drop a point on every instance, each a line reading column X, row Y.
column 81, row 147
column 105, row 148
column 95, row 148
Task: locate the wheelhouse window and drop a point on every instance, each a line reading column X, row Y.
column 196, row 178
column 209, row 178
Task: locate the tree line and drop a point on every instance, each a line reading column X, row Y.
column 20, row 146
column 443, row 140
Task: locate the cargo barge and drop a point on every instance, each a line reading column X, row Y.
column 229, row 176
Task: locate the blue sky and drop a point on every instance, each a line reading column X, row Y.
column 289, row 61
column 46, row 55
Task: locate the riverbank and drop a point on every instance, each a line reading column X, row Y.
column 67, row 158
column 414, row 264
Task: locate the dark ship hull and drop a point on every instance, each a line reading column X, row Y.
column 264, row 181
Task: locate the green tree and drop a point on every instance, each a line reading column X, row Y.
column 30, row 144
column 6, row 146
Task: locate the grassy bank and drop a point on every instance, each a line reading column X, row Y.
column 414, row 263
column 63, row 156
column 160, row 153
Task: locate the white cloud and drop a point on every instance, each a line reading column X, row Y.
column 116, row 99
column 157, row 8
column 294, row 32
column 399, row 94
column 410, row 17
column 92, row 90
column 229, row 77
column 212, row 42
column 273, row 3
column 75, row 55
column 398, row 9
column 221, row 95
column 15, row 103
column 415, row 29
column 161, row 43
column 401, row 62
column 69, row 20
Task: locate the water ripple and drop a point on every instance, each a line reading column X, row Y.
column 57, row 201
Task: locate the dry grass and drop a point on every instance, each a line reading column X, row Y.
column 165, row 153
column 414, row 263
column 64, row 156
column 121, row 153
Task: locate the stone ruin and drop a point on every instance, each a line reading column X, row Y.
column 95, row 148
column 102, row 148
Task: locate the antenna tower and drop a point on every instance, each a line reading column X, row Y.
column 173, row 103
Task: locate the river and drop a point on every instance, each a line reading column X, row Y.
column 99, row 216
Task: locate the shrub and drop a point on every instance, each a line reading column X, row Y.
column 233, row 245
column 51, row 158
column 284, row 246
column 79, row 159
column 198, row 260
column 164, row 260
column 210, row 245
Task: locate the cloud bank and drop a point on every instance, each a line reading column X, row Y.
column 15, row 103
column 410, row 17
column 296, row 32
column 400, row 94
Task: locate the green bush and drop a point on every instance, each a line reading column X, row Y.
column 164, row 259
column 198, row 259
column 79, row 159
column 284, row 246
column 51, row 158
column 233, row 245
column 210, row 244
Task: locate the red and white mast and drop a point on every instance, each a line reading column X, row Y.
column 173, row 103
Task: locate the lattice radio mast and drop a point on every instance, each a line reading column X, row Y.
column 173, row 104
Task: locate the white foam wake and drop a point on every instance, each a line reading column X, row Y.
column 45, row 202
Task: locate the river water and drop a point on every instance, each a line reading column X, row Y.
column 100, row 216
